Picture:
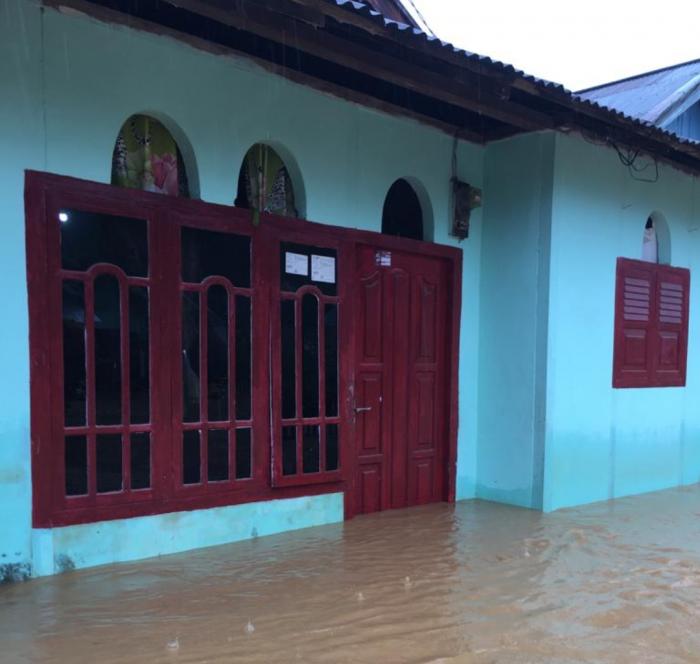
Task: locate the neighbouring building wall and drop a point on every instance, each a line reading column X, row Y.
column 602, row 442
column 513, row 319
column 68, row 83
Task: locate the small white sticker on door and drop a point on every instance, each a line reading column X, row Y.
column 383, row 258
column 296, row 263
column 323, row 269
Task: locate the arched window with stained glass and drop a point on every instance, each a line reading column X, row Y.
column 147, row 157
column 264, row 184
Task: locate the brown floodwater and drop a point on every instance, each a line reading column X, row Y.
column 472, row 582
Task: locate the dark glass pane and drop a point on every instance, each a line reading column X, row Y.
column 76, row 466
column 217, row 353
column 309, row 355
column 217, row 455
column 289, row 450
column 332, row 447
column 191, row 462
column 90, row 237
column 74, row 353
column 291, row 279
column 330, row 321
column 244, row 461
column 289, row 397
column 108, row 364
column 190, row 356
column 208, row 253
column 109, row 463
column 139, row 355
column 402, row 214
column 310, row 449
column 244, row 357
column 140, row 460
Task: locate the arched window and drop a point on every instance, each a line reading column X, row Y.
column 264, row 184
column 656, row 243
column 650, row 247
column 402, row 215
column 147, row 157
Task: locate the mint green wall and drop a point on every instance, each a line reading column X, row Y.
column 69, row 82
column 603, row 443
column 513, row 319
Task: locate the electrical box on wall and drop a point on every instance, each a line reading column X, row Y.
column 466, row 199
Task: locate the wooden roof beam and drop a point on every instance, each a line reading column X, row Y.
column 256, row 17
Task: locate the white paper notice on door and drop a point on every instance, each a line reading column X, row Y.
column 296, row 263
column 323, row 269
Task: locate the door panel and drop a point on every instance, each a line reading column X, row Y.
column 400, row 379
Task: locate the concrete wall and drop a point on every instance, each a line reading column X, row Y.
column 603, row 443
column 513, row 319
column 69, row 82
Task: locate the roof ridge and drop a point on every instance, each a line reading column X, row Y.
column 635, row 76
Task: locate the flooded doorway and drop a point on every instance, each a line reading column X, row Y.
column 401, row 392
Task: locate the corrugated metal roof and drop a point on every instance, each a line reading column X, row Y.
column 652, row 96
column 550, row 87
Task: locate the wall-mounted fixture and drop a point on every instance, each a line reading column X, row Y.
column 466, row 199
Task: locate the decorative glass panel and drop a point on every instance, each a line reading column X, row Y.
column 217, row 455
column 330, row 322
column 139, row 378
column 88, row 238
column 311, row 449
column 244, row 357
column 332, row 447
column 289, row 399
column 210, row 253
column 76, row 465
column 109, row 463
column 74, row 387
column 289, row 450
column 108, row 361
column 309, row 356
column 140, row 461
column 217, row 353
column 190, row 356
column 244, row 461
column 191, row 461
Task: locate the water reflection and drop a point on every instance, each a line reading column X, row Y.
column 475, row 582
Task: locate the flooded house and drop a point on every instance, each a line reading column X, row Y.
column 276, row 264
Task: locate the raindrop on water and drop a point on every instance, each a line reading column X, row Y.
column 249, row 628
column 174, row 644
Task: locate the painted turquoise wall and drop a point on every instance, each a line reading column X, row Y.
column 603, row 443
column 69, row 82
column 513, row 319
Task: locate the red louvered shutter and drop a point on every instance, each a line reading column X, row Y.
column 651, row 324
column 671, row 333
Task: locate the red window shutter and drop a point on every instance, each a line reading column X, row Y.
column 671, row 329
column 651, row 325
column 634, row 305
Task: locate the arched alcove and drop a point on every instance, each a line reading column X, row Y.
column 270, row 181
column 657, row 235
column 402, row 215
column 147, row 155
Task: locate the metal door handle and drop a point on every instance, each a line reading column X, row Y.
column 363, row 409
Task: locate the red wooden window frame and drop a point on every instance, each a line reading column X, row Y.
column 323, row 240
column 651, row 325
column 45, row 196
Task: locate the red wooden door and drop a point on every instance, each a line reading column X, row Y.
column 401, row 396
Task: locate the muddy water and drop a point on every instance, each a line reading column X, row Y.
column 475, row 582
